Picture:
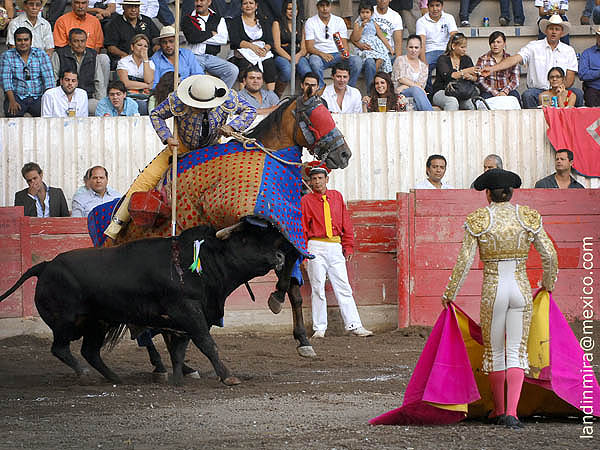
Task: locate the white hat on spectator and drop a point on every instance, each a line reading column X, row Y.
column 131, row 2
column 21, row 3
column 203, row 91
column 555, row 19
column 167, row 32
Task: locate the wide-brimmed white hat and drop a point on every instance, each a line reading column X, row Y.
column 555, row 19
column 202, row 91
column 166, row 32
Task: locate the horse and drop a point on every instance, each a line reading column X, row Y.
column 299, row 121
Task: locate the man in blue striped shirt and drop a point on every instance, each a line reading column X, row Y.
column 26, row 75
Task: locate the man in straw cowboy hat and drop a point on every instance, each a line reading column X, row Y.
column 164, row 59
column 201, row 106
column 541, row 56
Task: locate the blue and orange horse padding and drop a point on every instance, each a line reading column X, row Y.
column 448, row 385
column 225, row 183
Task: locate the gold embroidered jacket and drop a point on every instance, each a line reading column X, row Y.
column 503, row 231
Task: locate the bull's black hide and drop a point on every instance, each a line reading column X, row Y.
column 91, row 292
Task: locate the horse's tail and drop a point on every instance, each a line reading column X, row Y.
column 113, row 336
column 34, row 271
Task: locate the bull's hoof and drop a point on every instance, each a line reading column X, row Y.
column 160, row 377
column 275, row 304
column 177, row 381
column 231, row 381
column 85, row 377
column 306, row 351
column 194, row 375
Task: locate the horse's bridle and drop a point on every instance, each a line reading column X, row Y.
column 317, row 126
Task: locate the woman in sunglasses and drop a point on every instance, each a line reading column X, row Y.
column 453, row 65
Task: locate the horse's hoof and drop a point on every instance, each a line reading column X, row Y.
column 195, row 375
column 231, row 381
column 306, row 351
column 160, row 377
column 275, row 305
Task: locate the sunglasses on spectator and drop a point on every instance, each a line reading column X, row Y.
column 26, row 73
column 326, row 32
column 457, row 36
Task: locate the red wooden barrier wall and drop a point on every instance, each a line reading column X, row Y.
column 435, row 231
column 25, row 241
column 404, row 251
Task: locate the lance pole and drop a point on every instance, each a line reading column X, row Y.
column 175, row 131
column 293, row 48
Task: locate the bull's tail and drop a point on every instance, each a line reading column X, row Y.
column 113, row 336
column 34, row 271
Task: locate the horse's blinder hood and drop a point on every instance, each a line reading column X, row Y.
column 318, row 127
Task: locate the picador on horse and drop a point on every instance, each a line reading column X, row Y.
column 255, row 179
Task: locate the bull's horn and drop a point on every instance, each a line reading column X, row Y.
column 224, row 233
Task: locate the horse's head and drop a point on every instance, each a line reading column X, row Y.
column 316, row 131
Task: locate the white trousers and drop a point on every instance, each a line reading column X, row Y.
column 329, row 261
column 507, row 319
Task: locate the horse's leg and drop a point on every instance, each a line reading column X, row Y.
column 277, row 297
column 186, row 370
column 177, row 345
column 304, row 347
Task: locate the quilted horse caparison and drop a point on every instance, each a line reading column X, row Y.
column 221, row 185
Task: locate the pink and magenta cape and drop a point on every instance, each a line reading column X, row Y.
column 448, row 384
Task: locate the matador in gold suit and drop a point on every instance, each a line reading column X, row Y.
column 504, row 233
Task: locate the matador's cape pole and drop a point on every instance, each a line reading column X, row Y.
column 175, row 132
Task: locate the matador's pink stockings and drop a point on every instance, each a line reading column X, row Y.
column 497, row 387
column 514, row 381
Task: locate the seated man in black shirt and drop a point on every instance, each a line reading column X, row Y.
column 120, row 30
column 562, row 178
column 78, row 58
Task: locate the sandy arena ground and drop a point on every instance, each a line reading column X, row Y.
column 284, row 401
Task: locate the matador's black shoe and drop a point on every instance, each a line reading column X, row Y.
column 513, row 423
column 497, row 420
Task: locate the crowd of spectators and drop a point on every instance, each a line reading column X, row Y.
column 54, row 57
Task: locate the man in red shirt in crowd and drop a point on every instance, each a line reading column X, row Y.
column 328, row 229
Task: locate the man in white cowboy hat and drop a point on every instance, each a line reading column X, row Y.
column 123, row 27
column 164, row 59
column 40, row 27
column 541, row 56
column 201, row 108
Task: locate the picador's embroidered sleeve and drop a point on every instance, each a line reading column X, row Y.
column 246, row 113
column 462, row 266
column 544, row 246
column 160, row 114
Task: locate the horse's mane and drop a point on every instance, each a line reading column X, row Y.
column 272, row 121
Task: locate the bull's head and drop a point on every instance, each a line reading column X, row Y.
column 264, row 247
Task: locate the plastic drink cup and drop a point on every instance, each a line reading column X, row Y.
column 382, row 104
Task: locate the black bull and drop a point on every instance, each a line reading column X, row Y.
column 92, row 293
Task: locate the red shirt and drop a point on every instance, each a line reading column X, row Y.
column 313, row 218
